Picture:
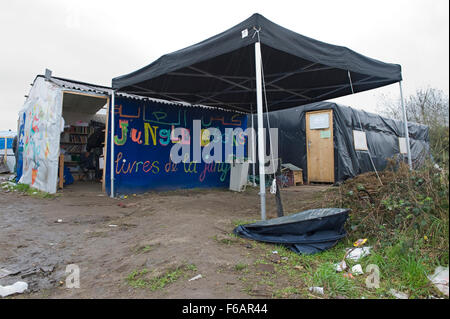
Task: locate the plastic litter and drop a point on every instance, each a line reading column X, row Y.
column 357, row 270
column 440, row 279
column 196, row 277
column 17, row 288
column 340, row 266
column 360, row 242
column 273, row 187
column 316, row 290
column 358, row 253
column 398, row 294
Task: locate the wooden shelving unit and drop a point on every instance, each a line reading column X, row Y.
column 74, row 141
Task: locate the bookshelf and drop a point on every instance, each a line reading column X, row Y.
column 74, row 141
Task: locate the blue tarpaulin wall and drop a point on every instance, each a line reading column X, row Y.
column 143, row 139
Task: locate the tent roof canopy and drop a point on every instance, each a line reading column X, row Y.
column 220, row 71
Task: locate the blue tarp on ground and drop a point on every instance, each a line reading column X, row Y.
column 143, row 139
column 308, row 232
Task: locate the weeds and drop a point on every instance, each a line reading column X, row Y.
column 154, row 281
column 406, row 219
column 25, row 189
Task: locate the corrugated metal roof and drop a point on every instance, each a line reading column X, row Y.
column 104, row 90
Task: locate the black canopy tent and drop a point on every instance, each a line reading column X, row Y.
column 229, row 69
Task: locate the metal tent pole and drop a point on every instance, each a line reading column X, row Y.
column 405, row 123
column 111, row 171
column 261, row 146
column 253, row 152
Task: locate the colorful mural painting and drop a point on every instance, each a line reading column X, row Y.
column 144, row 136
column 20, row 135
column 39, row 135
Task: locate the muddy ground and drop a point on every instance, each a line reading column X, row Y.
column 109, row 239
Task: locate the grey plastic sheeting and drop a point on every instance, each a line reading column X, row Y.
column 308, row 232
column 381, row 133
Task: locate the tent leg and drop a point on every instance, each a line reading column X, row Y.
column 253, row 153
column 405, row 123
column 111, row 171
column 261, row 146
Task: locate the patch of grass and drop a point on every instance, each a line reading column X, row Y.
column 145, row 279
column 239, row 222
column 143, row 249
column 26, row 189
column 286, row 292
column 333, row 283
column 135, row 279
column 191, row 267
column 240, row 267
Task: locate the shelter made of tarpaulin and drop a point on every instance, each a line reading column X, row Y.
column 230, row 70
column 382, row 136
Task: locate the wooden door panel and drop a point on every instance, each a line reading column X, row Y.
column 320, row 146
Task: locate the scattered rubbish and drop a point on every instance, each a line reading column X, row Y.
column 340, row 266
column 308, row 232
column 196, row 277
column 357, row 253
column 284, row 258
column 275, row 258
column 357, row 270
column 360, row 242
column 274, row 252
column 398, row 294
column 316, row 290
column 440, row 279
column 298, row 267
column 112, row 225
column 348, row 275
column 17, row 288
column 59, row 221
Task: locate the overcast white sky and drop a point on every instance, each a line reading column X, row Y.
column 94, row 41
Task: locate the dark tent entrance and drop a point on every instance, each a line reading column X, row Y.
column 254, row 67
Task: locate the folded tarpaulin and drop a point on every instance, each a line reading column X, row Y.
column 308, row 232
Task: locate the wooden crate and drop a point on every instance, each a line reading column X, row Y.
column 298, row 177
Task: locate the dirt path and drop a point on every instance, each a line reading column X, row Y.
column 110, row 238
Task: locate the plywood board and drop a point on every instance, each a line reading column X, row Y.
column 320, row 147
